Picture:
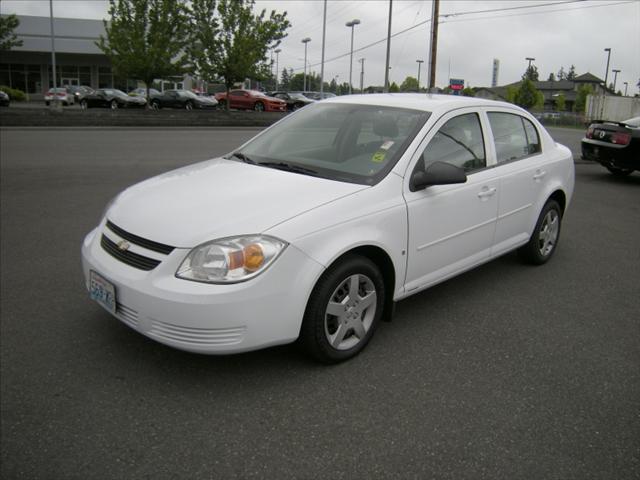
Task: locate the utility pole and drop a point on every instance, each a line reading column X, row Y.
column 626, row 85
column 386, row 67
column 435, row 9
column 362, row 75
column 55, row 103
column 606, row 73
column 324, row 33
column 277, row 71
column 351, row 24
column 615, row 79
column 420, row 62
column 305, row 41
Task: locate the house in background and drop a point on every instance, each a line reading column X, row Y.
column 550, row 89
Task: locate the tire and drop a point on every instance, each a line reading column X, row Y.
column 155, row 104
column 114, row 105
column 619, row 172
column 188, row 106
column 344, row 310
column 297, row 106
column 258, row 107
column 222, row 104
column 46, row 103
column 545, row 236
column 84, row 105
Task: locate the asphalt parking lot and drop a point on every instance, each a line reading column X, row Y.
column 508, row 371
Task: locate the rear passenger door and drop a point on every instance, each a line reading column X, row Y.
column 518, row 157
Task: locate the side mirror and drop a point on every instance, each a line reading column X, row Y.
column 438, row 173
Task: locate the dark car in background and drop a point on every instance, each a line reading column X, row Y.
column 142, row 92
column 251, row 100
column 615, row 145
column 79, row 92
column 317, row 95
column 4, row 99
column 294, row 100
column 111, row 98
column 182, row 99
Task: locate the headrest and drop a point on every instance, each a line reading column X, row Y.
column 385, row 126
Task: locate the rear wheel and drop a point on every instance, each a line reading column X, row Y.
column 222, row 104
column 545, row 236
column 155, row 104
column 83, row 105
column 113, row 105
column 188, row 106
column 619, row 172
column 259, row 107
column 344, row 310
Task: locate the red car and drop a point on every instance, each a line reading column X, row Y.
column 251, row 100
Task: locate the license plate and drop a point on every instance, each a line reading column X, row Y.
column 102, row 291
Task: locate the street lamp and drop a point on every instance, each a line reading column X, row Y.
column 420, row 62
column 615, row 78
column 530, row 59
column 606, row 73
column 351, row 24
column 361, row 75
column 305, row 41
column 626, row 84
column 278, row 50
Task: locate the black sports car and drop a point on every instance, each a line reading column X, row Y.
column 4, row 99
column 615, row 145
column 294, row 100
column 182, row 99
column 111, row 98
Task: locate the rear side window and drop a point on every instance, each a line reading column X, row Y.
column 514, row 136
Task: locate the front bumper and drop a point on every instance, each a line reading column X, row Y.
column 610, row 155
column 207, row 318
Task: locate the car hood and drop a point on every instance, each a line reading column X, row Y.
column 219, row 198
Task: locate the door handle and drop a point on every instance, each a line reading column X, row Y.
column 539, row 174
column 486, row 192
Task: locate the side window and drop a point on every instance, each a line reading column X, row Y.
column 515, row 137
column 458, row 142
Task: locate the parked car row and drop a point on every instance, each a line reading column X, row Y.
column 614, row 145
column 251, row 100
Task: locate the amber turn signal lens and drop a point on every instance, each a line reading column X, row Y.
column 253, row 257
column 236, row 259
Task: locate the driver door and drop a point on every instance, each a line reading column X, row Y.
column 451, row 227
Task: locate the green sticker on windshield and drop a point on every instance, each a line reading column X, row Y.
column 379, row 156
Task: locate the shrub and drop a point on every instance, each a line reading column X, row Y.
column 14, row 95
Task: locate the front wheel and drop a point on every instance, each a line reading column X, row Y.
column 155, row 105
column 344, row 310
column 545, row 236
column 188, row 106
column 222, row 104
column 83, row 105
column 113, row 105
column 259, row 107
column 619, row 172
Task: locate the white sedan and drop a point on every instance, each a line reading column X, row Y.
column 315, row 227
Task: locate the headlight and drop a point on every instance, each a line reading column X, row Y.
column 230, row 260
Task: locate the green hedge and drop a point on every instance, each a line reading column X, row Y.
column 14, row 95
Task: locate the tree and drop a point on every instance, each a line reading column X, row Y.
column 285, row 79
column 560, row 102
column 531, row 73
column 469, row 92
column 410, row 84
column 581, row 98
column 572, row 73
column 8, row 38
column 511, row 94
column 145, row 39
column 561, row 74
column 231, row 42
column 552, row 77
column 393, row 88
column 526, row 96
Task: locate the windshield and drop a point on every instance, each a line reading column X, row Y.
column 186, row 93
column 350, row 143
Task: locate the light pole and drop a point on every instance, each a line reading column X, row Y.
column 530, row 59
column 606, row 73
column 305, row 41
column 278, row 50
column 324, row 32
column 615, row 78
column 419, row 62
column 55, row 103
column 626, row 85
column 351, row 24
column 361, row 75
column 386, row 67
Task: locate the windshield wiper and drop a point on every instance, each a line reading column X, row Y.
column 242, row 157
column 289, row 168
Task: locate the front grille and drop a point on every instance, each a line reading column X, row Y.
column 143, row 242
column 130, row 258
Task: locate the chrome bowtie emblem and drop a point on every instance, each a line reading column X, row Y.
column 123, row 245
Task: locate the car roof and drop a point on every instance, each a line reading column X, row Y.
column 418, row 101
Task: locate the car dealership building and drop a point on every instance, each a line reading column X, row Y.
column 79, row 61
